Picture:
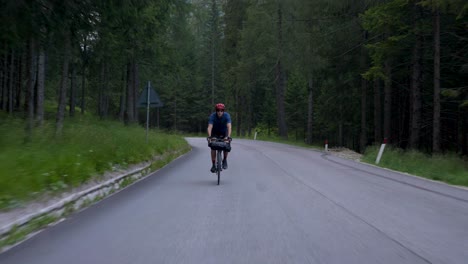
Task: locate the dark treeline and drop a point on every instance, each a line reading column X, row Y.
column 352, row 72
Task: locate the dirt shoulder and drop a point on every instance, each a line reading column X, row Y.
column 345, row 153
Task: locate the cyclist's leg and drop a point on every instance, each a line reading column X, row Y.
column 213, row 161
column 225, row 155
column 227, row 150
column 213, row 156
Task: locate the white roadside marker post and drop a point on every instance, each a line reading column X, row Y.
column 326, row 145
column 382, row 147
column 255, row 136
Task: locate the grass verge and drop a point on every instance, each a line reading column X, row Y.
column 448, row 168
column 86, row 149
column 18, row 234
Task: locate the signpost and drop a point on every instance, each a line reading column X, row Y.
column 382, row 148
column 149, row 98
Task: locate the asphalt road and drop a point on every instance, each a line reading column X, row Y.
column 275, row 204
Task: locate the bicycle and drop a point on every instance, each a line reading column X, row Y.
column 220, row 145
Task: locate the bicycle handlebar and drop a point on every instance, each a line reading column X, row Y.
column 211, row 139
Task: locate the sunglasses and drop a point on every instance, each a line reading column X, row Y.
column 218, row 110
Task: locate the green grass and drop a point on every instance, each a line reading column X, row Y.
column 448, row 168
column 86, row 149
column 18, row 234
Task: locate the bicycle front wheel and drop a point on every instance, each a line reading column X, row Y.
column 218, row 165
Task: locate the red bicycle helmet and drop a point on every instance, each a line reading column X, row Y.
column 219, row 106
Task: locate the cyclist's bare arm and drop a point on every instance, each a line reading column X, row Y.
column 210, row 127
column 229, row 130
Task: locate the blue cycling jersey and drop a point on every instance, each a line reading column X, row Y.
column 219, row 124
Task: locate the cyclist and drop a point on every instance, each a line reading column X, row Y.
column 219, row 125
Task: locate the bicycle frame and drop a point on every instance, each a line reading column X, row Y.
column 219, row 148
column 219, row 167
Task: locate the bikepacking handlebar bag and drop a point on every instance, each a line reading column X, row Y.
column 218, row 145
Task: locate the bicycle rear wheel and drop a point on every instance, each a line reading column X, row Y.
column 218, row 164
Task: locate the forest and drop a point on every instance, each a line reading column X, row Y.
column 350, row 72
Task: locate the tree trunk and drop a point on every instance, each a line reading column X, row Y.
column 239, row 124
column 415, row 99
column 101, row 93
column 106, row 90
column 402, row 122
column 250, row 113
column 239, row 114
column 464, row 132
column 4, row 94
column 73, row 91
column 280, row 84
column 2, row 80
column 388, row 101
column 377, row 112
column 11, row 83
column 175, row 113
column 280, row 87
column 63, row 86
column 436, row 125
column 212, row 69
column 416, row 95
column 130, row 100
column 18, row 93
column 242, row 115
column 122, row 98
column 40, row 87
column 310, row 112
column 214, row 44
column 340, row 133
column 363, row 138
column 32, row 73
column 136, row 85
column 83, row 88
column 2, row 76
column 84, row 62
